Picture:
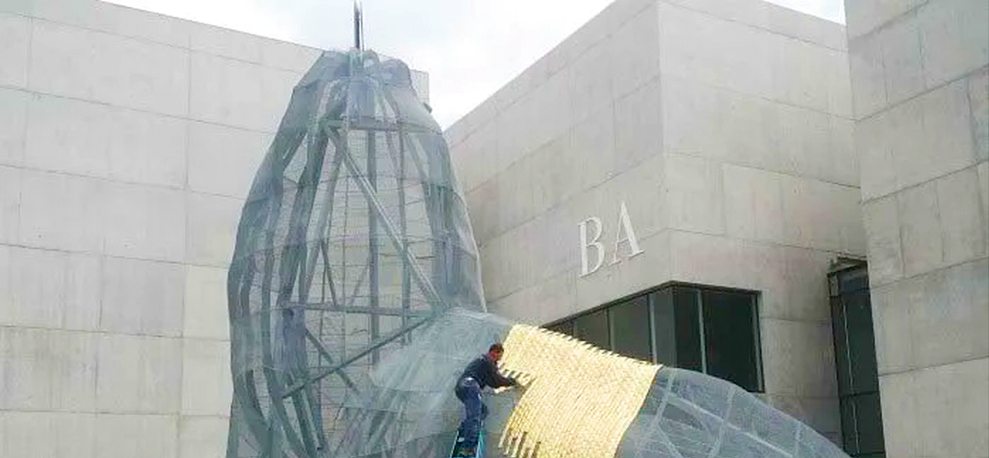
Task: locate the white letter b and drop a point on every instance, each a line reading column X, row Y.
column 584, row 245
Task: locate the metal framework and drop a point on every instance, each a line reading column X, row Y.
column 354, row 235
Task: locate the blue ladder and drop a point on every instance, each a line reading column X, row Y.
column 458, row 451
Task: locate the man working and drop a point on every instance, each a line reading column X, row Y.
column 481, row 372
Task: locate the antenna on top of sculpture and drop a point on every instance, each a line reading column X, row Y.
column 358, row 25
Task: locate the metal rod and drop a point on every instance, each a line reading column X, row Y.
column 372, row 229
column 406, row 275
column 435, row 300
column 364, row 352
column 332, row 307
column 329, row 358
column 358, row 25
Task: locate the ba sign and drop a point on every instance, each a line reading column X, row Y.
column 625, row 234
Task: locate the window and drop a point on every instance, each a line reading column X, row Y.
column 855, row 363
column 710, row 330
column 593, row 329
column 629, row 325
column 730, row 327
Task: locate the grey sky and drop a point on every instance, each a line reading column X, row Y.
column 469, row 47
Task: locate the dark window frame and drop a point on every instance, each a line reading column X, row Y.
column 843, row 285
column 651, row 293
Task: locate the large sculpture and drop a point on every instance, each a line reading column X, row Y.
column 355, row 300
column 353, row 236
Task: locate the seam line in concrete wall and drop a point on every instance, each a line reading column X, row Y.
column 824, row 321
column 30, row 55
column 186, row 117
column 158, row 186
column 761, row 169
column 105, row 255
column 99, row 324
column 569, row 131
column 787, row 245
column 768, row 243
column 973, row 165
column 810, row 396
column 27, row 122
column 181, row 385
column 709, row 234
column 762, row 98
column 765, row 29
column 937, row 217
column 566, row 270
column 124, row 413
column 655, row 78
column 790, row 320
column 473, row 129
column 927, row 90
column 973, row 126
column 874, row 285
column 187, row 47
column 934, row 366
column 110, row 333
column 885, row 25
column 630, row 169
column 189, row 21
column 248, row 62
column 565, row 201
column 188, row 124
column 882, row 64
column 589, row 46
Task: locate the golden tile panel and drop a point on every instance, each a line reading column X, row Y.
column 578, row 400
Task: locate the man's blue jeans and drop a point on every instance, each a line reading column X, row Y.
column 469, row 392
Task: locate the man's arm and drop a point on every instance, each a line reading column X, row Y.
column 498, row 379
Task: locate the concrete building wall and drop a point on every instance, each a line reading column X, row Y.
column 128, row 141
column 921, row 97
column 725, row 128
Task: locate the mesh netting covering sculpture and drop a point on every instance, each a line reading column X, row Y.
column 352, row 236
column 355, row 297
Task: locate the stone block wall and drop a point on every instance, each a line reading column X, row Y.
column 128, row 141
column 724, row 126
column 921, row 98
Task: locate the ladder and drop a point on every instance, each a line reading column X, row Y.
column 458, row 449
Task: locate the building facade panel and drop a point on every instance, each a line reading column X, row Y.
column 205, row 385
column 222, row 159
column 98, row 140
column 128, row 141
column 919, row 193
column 120, row 71
column 209, row 238
column 13, row 119
column 203, row 437
column 50, row 289
column 153, row 436
column 15, row 33
column 734, row 169
column 205, row 312
column 48, row 434
column 61, row 212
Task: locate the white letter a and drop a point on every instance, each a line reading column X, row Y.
column 625, row 225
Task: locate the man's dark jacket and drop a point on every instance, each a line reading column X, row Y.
column 484, row 370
